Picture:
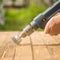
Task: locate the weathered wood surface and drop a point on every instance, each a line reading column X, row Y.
column 38, row 46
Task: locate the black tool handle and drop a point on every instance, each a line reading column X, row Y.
column 43, row 18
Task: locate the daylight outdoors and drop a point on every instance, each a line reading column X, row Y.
column 16, row 14
column 18, row 42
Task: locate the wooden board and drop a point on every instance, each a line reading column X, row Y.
column 37, row 46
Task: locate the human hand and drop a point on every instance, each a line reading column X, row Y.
column 53, row 26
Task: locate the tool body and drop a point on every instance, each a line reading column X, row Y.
column 39, row 21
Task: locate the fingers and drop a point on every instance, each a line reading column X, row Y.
column 49, row 27
column 53, row 26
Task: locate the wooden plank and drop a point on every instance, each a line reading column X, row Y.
column 41, row 52
column 25, row 41
column 7, row 45
column 7, row 52
column 10, row 52
column 45, row 47
column 23, row 53
column 3, row 36
column 6, row 59
column 54, row 52
column 36, row 39
column 47, row 39
column 57, row 38
column 39, row 38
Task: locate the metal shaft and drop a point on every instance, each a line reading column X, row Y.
column 39, row 21
column 26, row 32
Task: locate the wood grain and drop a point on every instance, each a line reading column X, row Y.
column 37, row 46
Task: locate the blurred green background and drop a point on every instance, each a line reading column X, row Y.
column 17, row 19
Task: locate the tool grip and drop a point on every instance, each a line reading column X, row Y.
column 43, row 18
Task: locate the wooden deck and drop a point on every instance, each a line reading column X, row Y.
column 38, row 46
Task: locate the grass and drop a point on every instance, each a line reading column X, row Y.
column 18, row 19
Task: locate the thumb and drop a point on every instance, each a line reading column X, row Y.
column 47, row 29
column 48, row 26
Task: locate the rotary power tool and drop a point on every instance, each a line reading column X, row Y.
column 38, row 21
